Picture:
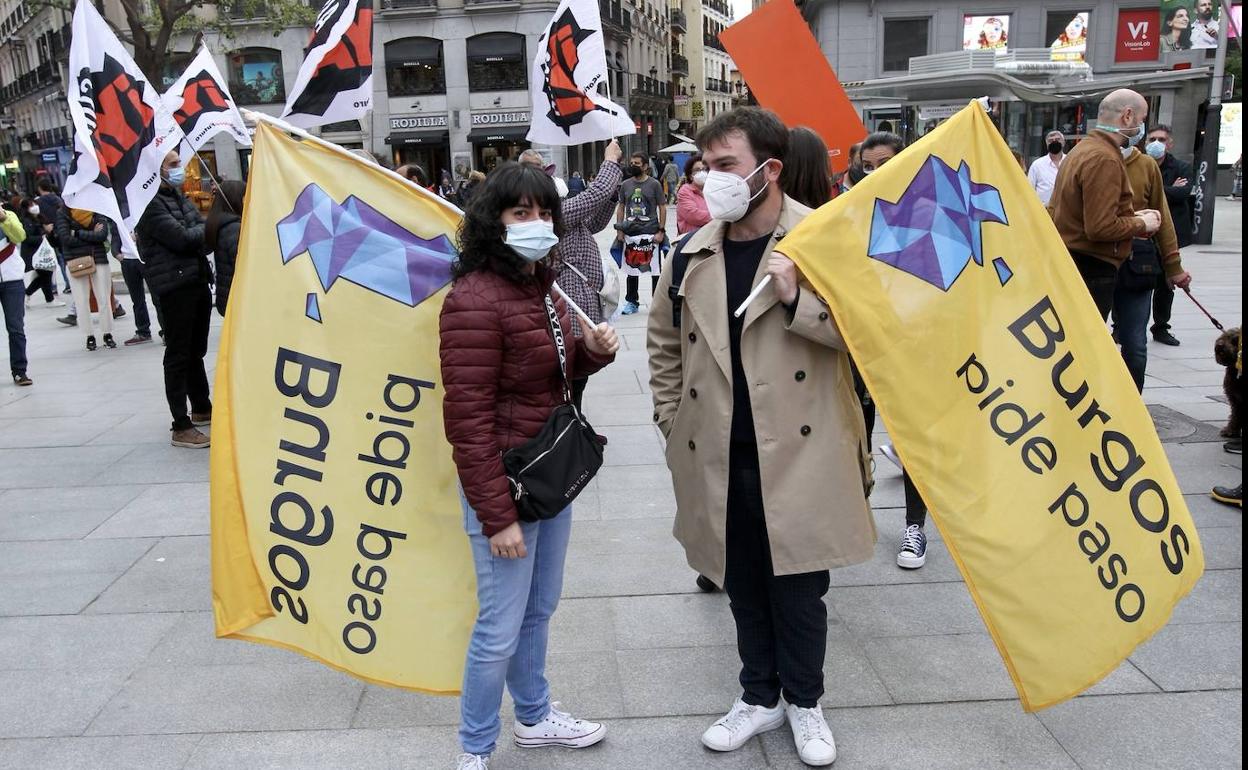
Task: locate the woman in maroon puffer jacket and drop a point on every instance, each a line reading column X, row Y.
column 500, row 368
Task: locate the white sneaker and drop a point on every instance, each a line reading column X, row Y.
column 812, row 736
column 888, row 451
column 741, row 723
column 559, row 728
column 472, row 762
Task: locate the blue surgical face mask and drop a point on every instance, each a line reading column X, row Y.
column 175, row 176
column 532, row 241
column 1156, row 150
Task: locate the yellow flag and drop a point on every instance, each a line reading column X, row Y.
column 1009, row 404
column 336, row 521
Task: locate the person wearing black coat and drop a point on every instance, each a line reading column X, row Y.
column 171, row 240
column 33, row 222
column 85, row 234
column 1178, row 180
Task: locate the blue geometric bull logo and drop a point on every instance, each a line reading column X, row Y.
column 933, row 230
column 359, row 244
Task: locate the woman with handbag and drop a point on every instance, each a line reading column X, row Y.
column 84, row 240
column 503, row 338
column 36, row 251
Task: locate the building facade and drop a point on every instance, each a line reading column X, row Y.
column 707, row 90
column 908, row 64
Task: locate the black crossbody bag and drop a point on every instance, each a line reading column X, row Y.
column 548, row 471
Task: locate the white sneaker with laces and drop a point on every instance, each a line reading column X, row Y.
column 559, row 728
column 472, row 762
column 741, row 723
column 812, row 736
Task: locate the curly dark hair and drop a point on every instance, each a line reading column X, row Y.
column 693, row 160
column 481, row 233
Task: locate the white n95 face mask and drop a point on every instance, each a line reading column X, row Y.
column 532, row 241
column 728, row 196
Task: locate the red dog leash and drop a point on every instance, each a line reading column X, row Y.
column 1217, row 325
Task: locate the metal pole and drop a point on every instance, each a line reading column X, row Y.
column 1206, row 190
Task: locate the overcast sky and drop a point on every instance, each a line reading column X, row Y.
column 741, row 8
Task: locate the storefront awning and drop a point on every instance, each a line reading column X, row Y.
column 418, row 137
column 499, row 134
column 964, row 86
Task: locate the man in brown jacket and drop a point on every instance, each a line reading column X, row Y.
column 765, row 436
column 1092, row 200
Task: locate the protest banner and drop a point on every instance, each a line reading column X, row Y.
column 785, row 84
column 337, row 529
column 1027, row 438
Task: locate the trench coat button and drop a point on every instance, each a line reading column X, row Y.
column 693, row 393
column 692, row 445
column 693, row 337
column 805, row 430
column 823, row 316
column 800, row 375
column 656, row 416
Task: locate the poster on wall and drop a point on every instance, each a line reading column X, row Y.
column 986, row 33
column 1137, row 35
column 1068, row 36
column 1231, row 135
column 1186, row 25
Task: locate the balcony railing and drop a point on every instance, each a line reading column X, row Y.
column 680, row 64
column 712, row 41
column 43, row 76
column 715, row 85
column 409, row 5
column 648, row 86
column 679, row 24
column 615, row 19
column 719, row 6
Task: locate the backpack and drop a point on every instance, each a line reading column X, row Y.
column 680, row 263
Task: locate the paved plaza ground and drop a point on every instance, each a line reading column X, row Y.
column 108, row 659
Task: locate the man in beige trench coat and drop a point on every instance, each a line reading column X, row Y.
column 765, row 437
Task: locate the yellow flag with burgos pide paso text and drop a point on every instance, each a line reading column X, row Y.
column 336, row 521
column 1009, row 404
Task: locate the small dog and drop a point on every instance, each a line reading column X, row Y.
column 1226, row 353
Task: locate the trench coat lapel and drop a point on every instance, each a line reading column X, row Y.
column 705, row 289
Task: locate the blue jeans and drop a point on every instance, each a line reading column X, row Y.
column 516, row 599
column 13, row 303
column 1131, row 311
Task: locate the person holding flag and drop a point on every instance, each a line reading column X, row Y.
column 771, row 499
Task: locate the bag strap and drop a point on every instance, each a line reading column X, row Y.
column 556, row 331
column 680, row 263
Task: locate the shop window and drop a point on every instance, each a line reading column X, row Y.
column 256, row 76
column 414, row 67
column 342, row 127
column 496, row 62
column 175, row 65
column 904, row 38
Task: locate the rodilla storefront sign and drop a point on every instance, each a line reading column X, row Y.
column 500, row 118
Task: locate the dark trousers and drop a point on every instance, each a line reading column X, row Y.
column 132, row 272
column 916, row 509
column 632, row 287
column 782, row 622
column 1131, row 308
column 13, row 303
column 43, row 280
column 1101, row 278
column 187, row 312
column 1163, row 304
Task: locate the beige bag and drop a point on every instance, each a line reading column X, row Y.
column 81, row 267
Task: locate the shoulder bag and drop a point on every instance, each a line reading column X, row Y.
column 547, row 472
column 1143, row 268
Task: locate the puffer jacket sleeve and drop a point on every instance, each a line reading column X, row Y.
column 160, row 225
column 471, row 352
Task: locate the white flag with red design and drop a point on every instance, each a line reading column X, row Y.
column 335, row 82
column 122, row 131
column 202, row 106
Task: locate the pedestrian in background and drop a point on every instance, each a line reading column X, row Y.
column 805, row 175
column 13, row 292
column 85, row 234
column 1043, row 171
column 1152, row 258
column 671, row 179
column 50, row 205
column 132, row 274
column 691, row 212
column 1092, row 205
column 501, row 372
column 32, row 222
column 222, row 231
column 171, row 240
column 1177, row 177
column 642, row 212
